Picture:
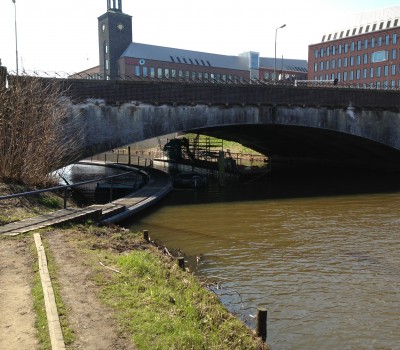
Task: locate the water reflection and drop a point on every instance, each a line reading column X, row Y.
column 320, row 254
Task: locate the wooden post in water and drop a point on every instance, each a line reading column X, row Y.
column 146, row 235
column 261, row 328
column 129, row 155
column 181, row 262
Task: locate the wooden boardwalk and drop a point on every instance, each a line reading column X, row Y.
column 158, row 186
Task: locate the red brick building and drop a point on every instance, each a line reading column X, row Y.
column 120, row 58
column 365, row 54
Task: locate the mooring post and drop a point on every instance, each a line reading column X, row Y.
column 146, row 235
column 181, row 262
column 261, row 329
column 129, row 155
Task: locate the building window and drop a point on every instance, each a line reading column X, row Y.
column 346, row 47
column 333, row 64
column 144, row 71
column 378, row 72
column 365, row 58
column 193, row 75
column 393, row 69
column 338, row 76
column 351, row 61
column 374, row 27
column 365, row 73
column 344, row 76
column 316, row 53
column 387, row 40
column 180, row 73
column 360, row 30
column 333, row 50
column 152, row 72
column 321, row 66
column 340, row 49
column 358, row 74
column 381, row 25
column 315, row 68
column 394, row 39
column 352, row 46
column 351, row 75
column 137, row 71
column 321, row 54
column 327, row 51
column 187, row 74
column 367, row 29
column 371, row 72
column 327, row 65
column 339, row 63
column 379, row 56
column 159, row 72
column 166, row 72
column 388, row 24
column 358, row 62
column 394, row 53
column 386, row 70
column 173, row 73
column 358, row 45
column 365, row 44
column 200, row 76
column 379, row 41
column 372, row 42
column 345, row 62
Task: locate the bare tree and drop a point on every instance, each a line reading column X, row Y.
column 35, row 131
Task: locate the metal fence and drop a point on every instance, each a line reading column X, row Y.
column 111, row 182
column 227, row 81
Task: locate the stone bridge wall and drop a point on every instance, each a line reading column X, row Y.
column 115, row 92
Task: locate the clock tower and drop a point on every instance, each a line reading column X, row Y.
column 115, row 35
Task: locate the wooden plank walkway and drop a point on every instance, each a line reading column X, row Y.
column 158, row 186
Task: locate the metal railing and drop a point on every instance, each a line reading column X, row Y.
column 228, row 81
column 66, row 188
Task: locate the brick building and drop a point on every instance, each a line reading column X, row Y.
column 366, row 53
column 120, row 58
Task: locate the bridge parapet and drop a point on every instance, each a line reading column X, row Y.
column 115, row 92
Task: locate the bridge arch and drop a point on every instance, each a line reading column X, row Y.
column 345, row 137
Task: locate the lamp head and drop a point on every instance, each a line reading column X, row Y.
column 282, row 26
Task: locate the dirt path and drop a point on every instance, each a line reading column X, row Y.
column 92, row 322
column 17, row 318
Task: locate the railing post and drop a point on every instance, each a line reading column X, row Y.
column 65, row 197
column 111, row 189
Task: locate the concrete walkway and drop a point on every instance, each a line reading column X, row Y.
column 159, row 185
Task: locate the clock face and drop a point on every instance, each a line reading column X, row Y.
column 120, row 26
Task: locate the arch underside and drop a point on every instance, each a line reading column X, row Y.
column 309, row 146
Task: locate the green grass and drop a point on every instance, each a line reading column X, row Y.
column 164, row 308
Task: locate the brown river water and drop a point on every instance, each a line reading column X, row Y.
column 321, row 254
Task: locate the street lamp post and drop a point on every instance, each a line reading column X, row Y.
column 16, row 37
column 276, row 33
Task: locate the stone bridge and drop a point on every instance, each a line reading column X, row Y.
column 312, row 125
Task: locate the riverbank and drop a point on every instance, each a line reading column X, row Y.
column 114, row 285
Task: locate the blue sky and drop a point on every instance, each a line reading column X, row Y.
column 61, row 35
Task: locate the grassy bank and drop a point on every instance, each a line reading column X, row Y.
column 157, row 304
